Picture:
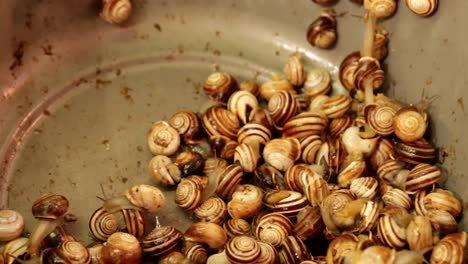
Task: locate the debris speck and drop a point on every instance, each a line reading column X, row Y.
column 47, row 49
column 126, row 93
column 157, row 27
column 461, row 103
column 18, row 55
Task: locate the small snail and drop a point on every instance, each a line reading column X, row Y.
column 309, row 223
column 190, row 163
column 15, row 249
column 380, row 119
column 207, row 233
column 161, row 240
column 242, row 249
column 247, row 155
column 163, row 171
column 237, row 227
column 310, row 146
column 381, row 8
column 213, row 210
column 188, row 194
column 68, row 252
column 246, row 201
column 273, row 228
column 419, row 151
column 241, row 103
column 340, row 247
column 364, row 187
column 250, row 86
column 251, row 132
column 382, row 153
column 293, row 250
column 174, row 257
column 219, row 86
column 294, row 70
column 282, row 153
column 268, row 89
column 397, row 197
column 347, row 69
column 103, row 224
column 390, row 232
column 338, row 125
column 140, row 196
column 442, row 221
column 409, row 124
column 322, row 32
column 419, row 233
column 318, row 82
column 368, row 70
column 306, row 124
column 286, row 202
column 268, row 254
column 269, row 178
column 422, row 176
column 447, row 251
column 121, row 248
column 195, row 252
column 353, row 142
column 223, row 147
column 443, row 200
column 219, row 121
column 116, row 11
column 380, row 50
column 422, row 7
column 188, row 125
column 163, row 139
column 11, row 225
column 228, row 180
column 281, row 107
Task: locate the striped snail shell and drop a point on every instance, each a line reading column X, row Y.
column 419, row 233
column 252, row 132
column 190, row 163
column 268, row 89
column 223, row 147
column 135, row 222
column 337, row 105
column 11, row 225
column 261, row 116
column 163, row 171
column 161, row 240
column 15, row 249
column 73, row 252
column 315, row 188
column 121, row 248
column 247, row 155
column 382, row 153
column 188, row 194
column 460, row 237
column 305, row 124
column 212, row 210
column 220, row 121
column 268, row 254
column 368, row 70
column 310, row 146
column 103, row 224
column 50, row 206
column 273, row 228
column 309, row 223
column 378, row 254
column 390, row 232
column 318, row 82
column 282, row 153
column 364, row 187
column 422, row 176
column 381, row 8
column 294, row 70
column 303, row 102
column 163, row 139
column 419, row 206
column 410, row 124
column 293, row 175
column 116, row 11
column 368, row 217
column 331, row 156
column 397, row 197
column 219, row 86
column 286, row 202
column 269, row 178
column 214, row 166
column 332, row 205
column 347, row 69
column 246, row 201
column 195, row 252
column 250, row 86
column 146, row 196
column 188, row 125
column 237, row 227
column 174, row 257
column 354, row 170
column 282, row 106
column 447, row 251
column 207, row 233
column 443, row 200
column 389, row 171
column 422, row 7
column 241, row 103
column 341, row 247
column 380, row 118
column 338, row 125
column 293, row 250
column 442, row 221
column 416, row 152
column 242, row 249
column 380, row 50
column 228, row 180
column 322, row 32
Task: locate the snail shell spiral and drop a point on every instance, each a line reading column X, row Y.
column 322, row 32
column 219, row 86
column 409, row 124
column 422, row 7
column 282, row 106
column 212, row 210
column 294, row 70
column 242, row 249
column 219, row 121
column 103, row 224
column 116, row 11
column 163, row 139
column 161, row 240
column 348, row 68
column 368, row 70
column 318, row 82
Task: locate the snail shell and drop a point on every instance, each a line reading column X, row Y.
column 447, row 251
column 309, row 223
column 422, row 7
column 338, row 125
column 460, row 237
column 269, row 178
column 14, row 249
column 416, row 152
column 188, row 125
column 273, row 228
column 368, row 217
column 73, row 252
column 135, row 222
column 190, row 163
column 293, row 175
column 380, row 118
column 261, row 116
column 218, row 258
column 390, row 233
column 322, row 32
column 147, row 197
column 409, row 124
column 268, row 89
column 442, row 221
column 353, row 171
column 228, row 180
column 223, row 147
column 237, row 227
column 286, row 202
column 368, row 70
column 337, row 105
column 282, row 106
column 314, row 187
column 163, row 171
column 422, row 176
column 241, row 103
column 103, row 224
column 116, row 11
column 364, row 187
column 268, row 254
column 318, row 82
column 214, row 166
column 380, row 50
column 174, row 257
column 219, row 86
column 419, row 206
column 195, row 252
column 11, row 225
column 50, row 206
column 246, row 201
column 213, row 210
column 330, row 156
column 293, row 251
column 389, row 172
column 419, row 233
column 294, row 70
column 161, row 240
column 207, row 233
column 282, row 153
column 443, row 200
column 121, row 248
column 347, row 69
column 303, row 102
column 188, row 194
column 353, row 142
column 256, row 133
column 381, row 8
column 247, row 155
column 163, row 139
column 310, row 146
column 334, row 203
column 378, row 254
column 242, row 249
column 340, row 247
column 382, row 153
column 219, row 121
column 397, row 197
column 305, row 124
column 250, row 86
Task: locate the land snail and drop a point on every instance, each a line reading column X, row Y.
column 241, row 103
column 223, row 147
column 116, row 11
column 236, row 227
column 273, row 228
column 139, row 197
column 103, row 224
column 220, row 121
column 161, row 240
column 15, row 249
column 121, row 248
column 69, row 251
column 188, row 125
column 209, row 234
column 281, row 107
column 219, row 86
column 213, row 210
column 163, row 171
column 422, row 7
column 194, row 252
column 294, row 70
column 163, row 139
column 318, row 81
column 322, row 32
column 410, row 124
column 11, row 225
column 246, row 201
column 250, row 86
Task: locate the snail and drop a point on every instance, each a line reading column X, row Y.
column 116, row 11
column 443, row 200
column 273, row 228
column 340, row 247
column 339, row 210
column 11, row 225
column 353, row 142
column 381, row 8
column 315, row 188
column 194, row 252
column 213, row 210
column 380, row 50
column 121, row 248
column 306, row 124
column 254, row 133
column 163, row 139
column 419, row 206
column 318, row 82
column 218, row 258
column 409, row 124
column 390, row 232
column 269, row 178
column 419, row 233
column 247, row 155
column 336, row 106
column 281, row 107
column 236, row 227
column 242, row 249
column 207, row 233
column 187, row 124
column 163, row 171
column 223, row 147
column 353, row 169
column 422, row 7
column 282, row 153
column 397, row 197
column 174, row 257
column 250, row 86
column 347, row 69
column 368, row 71
column 219, row 86
column 294, row 70
column 103, row 224
column 140, row 196
column 419, row 151
column 67, row 252
column 293, row 250
column 241, row 103
column 380, row 119
column 228, row 180
column 338, row 125
column 161, row 240
column 322, row 32
column 310, row 146
column 422, row 176
column 442, row 221
column 190, row 163
column 286, row 202
column 219, row 121
column 293, row 176
column 364, row 187
column 382, row 153
column 268, row 89
column 447, row 251
column 268, row 254
column 188, row 194
column 246, row 201
column 391, row 171
column 309, row 223
column 15, row 249
column 261, row 116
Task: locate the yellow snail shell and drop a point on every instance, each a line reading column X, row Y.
column 322, row 32
column 422, row 7
column 318, row 82
column 116, row 11
column 11, row 225
column 381, row 8
column 294, row 70
column 147, row 197
column 219, row 86
column 241, row 103
column 163, row 139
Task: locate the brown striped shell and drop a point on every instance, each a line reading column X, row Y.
column 443, row 200
column 188, row 125
column 390, row 233
column 293, row 250
column 163, row 171
column 121, row 247
column 116, row 11
column 242, row 249
column 347, row 69
column 188, row 194
column 422, row 176
column 314, row 187
column 410, row 124
column 286, row 202
column 250, row 86
column 268, row 254
column 72, row 252
column 282, row 153
column 309, row 223
column 213, row 210
column 397, row 197
column 161, row 240
column 268, row 89
column 269, row 178
column 368, row 215
column 163, row 139
column 273, row 228
column 261, row 116
column 247, row 156
column 442, row 221
column 195, row 252
column 322, row 32
column 246, row 201
column 419, row 206
column 282, row 106
column 380, row 50
column 50, row 206
column 368, row 70
column 416, row 152
column 380, row 118
column 190, row 163
column 294, row 70
column 303, row 102
column 305, row 124
column 332, row 205
column 422, row 7
column 228, row 180
column 382, row 153
column 318, row 82
column 135, row 222
column 241, row 103
column 219, row 86
column 292, row 176
column 447, row 251
column 341, row 247
column 252, row 132
column 219, row 121
column 364, row 187
column 310, row 146
column 354, row 170
column 338, row 125
column 337, row 106
column 237, row 227
column 353, row 142
column 223, row 146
